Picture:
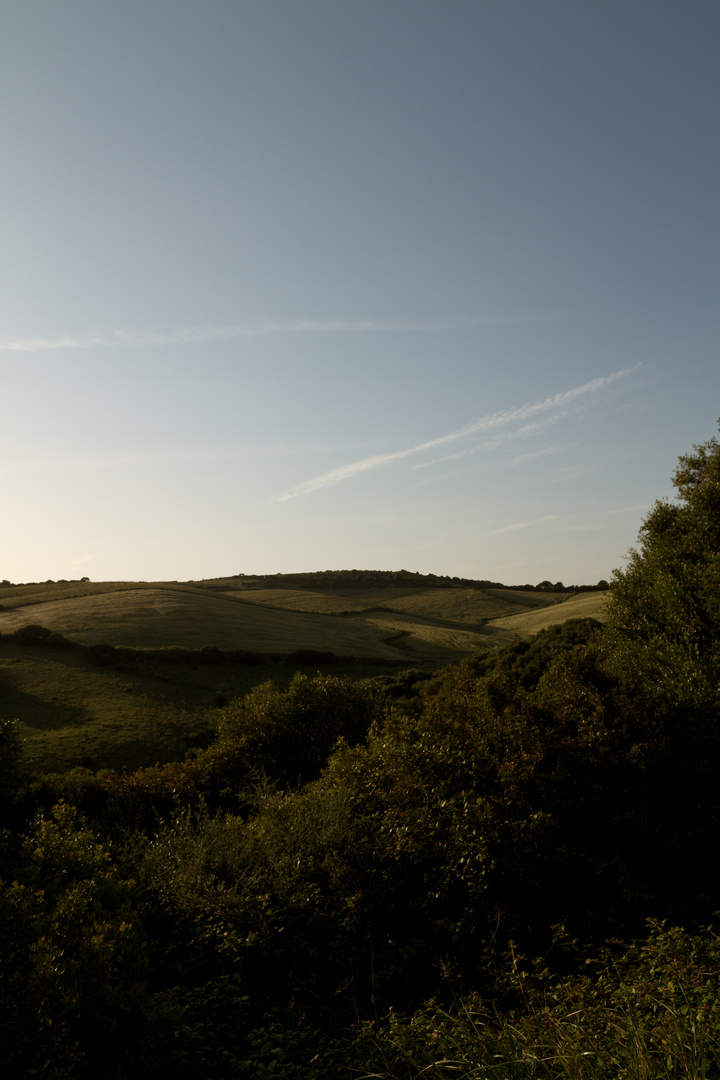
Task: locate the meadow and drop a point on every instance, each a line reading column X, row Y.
column 148, row 707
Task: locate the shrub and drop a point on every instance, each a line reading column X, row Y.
column 210, row 654
column 102, row 655
column 32, row 635
column 290, row 733
column 311, row 656
column 71, row 991
column 664, row 615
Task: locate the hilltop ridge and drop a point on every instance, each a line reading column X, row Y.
column 336, row 579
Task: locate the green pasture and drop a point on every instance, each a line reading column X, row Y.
column 145, row 710
column 74, row 713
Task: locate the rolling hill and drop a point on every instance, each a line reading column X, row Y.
column 151, row 708
column 352, row 617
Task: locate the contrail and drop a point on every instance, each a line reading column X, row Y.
column 187, row 335
column 486, row 423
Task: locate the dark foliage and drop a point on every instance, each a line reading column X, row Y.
column 39, row 635
column 524, row 662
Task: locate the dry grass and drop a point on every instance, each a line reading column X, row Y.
column 590, row 605
column 457, row 605
column 158, row 616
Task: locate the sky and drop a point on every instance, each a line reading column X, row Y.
column 352, row 284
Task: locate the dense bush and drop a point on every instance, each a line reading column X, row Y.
column 525, row 661
column 664, row 627
column 103, row 655
column 289, row 733
column 73, row 999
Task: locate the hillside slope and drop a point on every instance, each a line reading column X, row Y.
column 589, row 605
column 147, row 707
column 371, row 619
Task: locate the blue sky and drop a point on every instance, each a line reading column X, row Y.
column 352, row 283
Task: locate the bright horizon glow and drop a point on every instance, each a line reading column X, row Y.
column 294, row 287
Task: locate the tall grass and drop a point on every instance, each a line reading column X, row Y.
column 651, row 1014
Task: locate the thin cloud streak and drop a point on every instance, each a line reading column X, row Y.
column 525, row 524
column 489, row 444
column 574, row 522
column 486, row 423
column 522, row 459
column 494, row 443
column 188, row 335
column 628, row 509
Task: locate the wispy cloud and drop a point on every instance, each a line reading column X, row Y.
column 525, row 524
column 488, row 444
column 547, row 451
column 497, row 441
column 188, row 335
column 593, row 522
column 573, row 522
column 628, row 509
column 485, row 423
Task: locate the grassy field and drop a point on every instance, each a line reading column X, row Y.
column 148, row 709
column 465, row 605
column 161, row 616
column 73, row 713
column 589, row 605
column 423, row 625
